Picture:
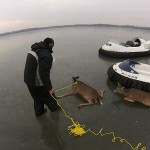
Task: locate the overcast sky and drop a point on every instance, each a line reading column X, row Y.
column 21, row 14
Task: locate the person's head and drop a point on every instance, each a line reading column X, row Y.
column 49, row 42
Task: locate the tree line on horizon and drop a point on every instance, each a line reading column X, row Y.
column 76, row 25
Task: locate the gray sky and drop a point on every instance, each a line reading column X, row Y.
column 21, row 14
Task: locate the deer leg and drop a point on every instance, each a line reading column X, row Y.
column 90, row 102
column 85, row 104
column 146, row 103
column 128, row 99
column 67, row 94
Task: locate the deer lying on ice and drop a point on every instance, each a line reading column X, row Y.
column 90, row 94
column 133, row 95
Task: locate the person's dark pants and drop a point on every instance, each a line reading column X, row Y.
column 41, row 97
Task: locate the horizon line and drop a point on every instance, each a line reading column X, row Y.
column 73, row 25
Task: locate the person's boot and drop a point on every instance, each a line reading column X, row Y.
column 39, row 110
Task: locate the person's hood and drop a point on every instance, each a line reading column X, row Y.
column 41, row 45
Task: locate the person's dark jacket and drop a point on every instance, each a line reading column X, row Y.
column 38, row 65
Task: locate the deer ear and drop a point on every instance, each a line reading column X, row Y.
column 101, row 91
column 123, row 88
column 119, row 84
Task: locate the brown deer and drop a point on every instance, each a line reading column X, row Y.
column 133, row 94
column 88, row 93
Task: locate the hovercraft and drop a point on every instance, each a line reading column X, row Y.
column 131, row 74
column 136, row 47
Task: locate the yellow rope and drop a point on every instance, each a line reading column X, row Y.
column 66, row 87
column 78, row 130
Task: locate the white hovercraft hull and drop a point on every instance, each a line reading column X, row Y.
column 131, row 74
column 137, row 47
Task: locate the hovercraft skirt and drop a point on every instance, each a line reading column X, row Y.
column 127, row 82
column 123, row 54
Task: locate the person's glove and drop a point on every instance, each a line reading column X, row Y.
column 52, row 91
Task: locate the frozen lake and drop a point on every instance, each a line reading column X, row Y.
column 76, row 54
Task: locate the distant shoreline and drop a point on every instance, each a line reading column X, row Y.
column 76, row 25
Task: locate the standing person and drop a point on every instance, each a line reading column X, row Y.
column 37, row 76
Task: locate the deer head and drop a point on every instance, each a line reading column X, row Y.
column 101, row 94
column 119, row 88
